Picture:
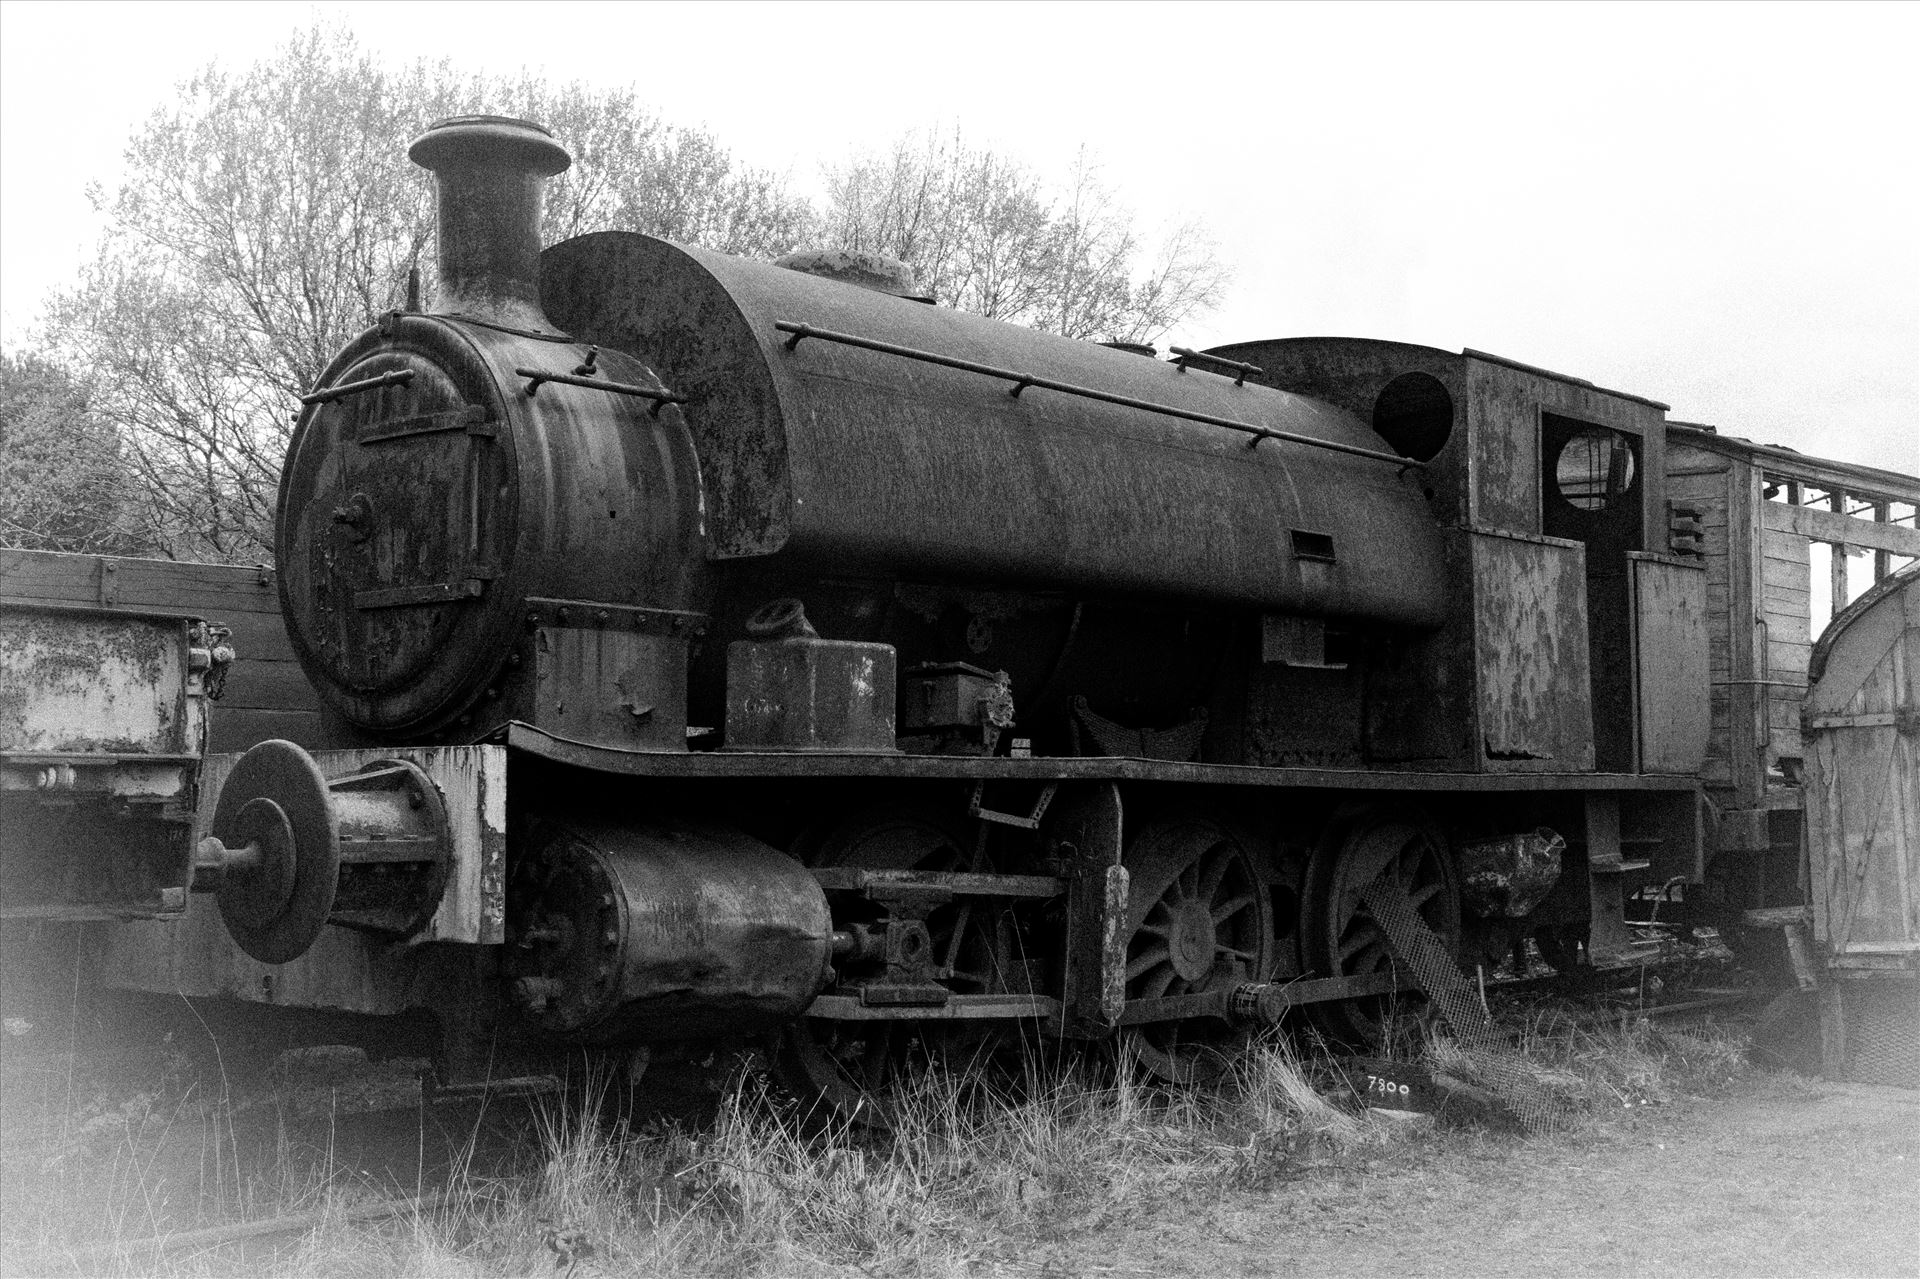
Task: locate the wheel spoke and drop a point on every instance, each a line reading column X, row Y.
column 1364, row 959
column 1159, row 983
column 1237, row 954
column 1357, row 941
column 1232, row 906
column 1216, row 869
column 1422, row 896
column 1147, row 960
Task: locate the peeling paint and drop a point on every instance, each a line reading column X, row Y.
column 81, row 682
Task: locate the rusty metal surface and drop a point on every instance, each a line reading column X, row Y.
column 1020, row 380
column 1265, row 1001
column 92, row 858
column 490, row 175
column 1530, row 653
column 644, row 932
column 265, row 693
column 618, row 687
column 958, row 1008
column 275, row 803
column 346, row 968
column 954, row 708
column 418, row 512
column 956, row 476
column 859, row 267
column 102, row 721
column 790, row 690
column 405, row 555
column 525, row 737
column 860, row 879
column 93, row 683
column 810, row 695
column 1083, row 829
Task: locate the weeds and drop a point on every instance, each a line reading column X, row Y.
column 979, row 1173
column 1625, row 1059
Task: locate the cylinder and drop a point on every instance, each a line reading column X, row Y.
column 644, row 933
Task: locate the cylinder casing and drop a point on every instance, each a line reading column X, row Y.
column 644, row 932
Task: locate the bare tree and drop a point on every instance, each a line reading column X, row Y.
column 270, row 214
column 987, row 235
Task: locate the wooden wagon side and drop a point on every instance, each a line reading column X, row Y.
column 1789, row 540
column 266, row 696
column 1862, row 734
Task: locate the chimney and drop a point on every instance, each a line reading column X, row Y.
column 490, row 175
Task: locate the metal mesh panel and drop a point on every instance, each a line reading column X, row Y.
column 1496, row 1066
column 1880, row 1022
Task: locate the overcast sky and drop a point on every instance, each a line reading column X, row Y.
column 1715, row 206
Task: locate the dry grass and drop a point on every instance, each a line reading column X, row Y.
column 978, row 1175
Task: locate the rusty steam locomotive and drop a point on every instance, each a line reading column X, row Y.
column 713, row 649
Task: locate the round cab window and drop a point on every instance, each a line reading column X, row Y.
column 1595, row 469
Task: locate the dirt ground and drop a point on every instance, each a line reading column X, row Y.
column 1790, row 1179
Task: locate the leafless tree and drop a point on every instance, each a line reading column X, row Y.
column 988, row 235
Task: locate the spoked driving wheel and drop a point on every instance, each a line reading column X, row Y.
column 1199, row 921
column 855, row 1070
column 1339, row 933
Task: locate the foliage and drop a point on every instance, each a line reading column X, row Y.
column 987, row 235
column 64, row 482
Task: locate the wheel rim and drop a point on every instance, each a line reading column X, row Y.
column 1199, row 921
column 1342, row 937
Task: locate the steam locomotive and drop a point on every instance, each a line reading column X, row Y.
column 713, row 650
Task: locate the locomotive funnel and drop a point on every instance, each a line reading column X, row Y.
column 490, row 172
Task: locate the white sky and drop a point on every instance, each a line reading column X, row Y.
column 1714, row 205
